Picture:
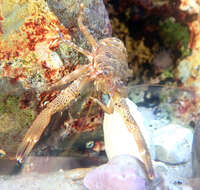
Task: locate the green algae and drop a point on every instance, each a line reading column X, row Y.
column 168, row 73
column 175, row 35
column 11, row 105
column 14, row 122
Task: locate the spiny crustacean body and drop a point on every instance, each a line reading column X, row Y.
column 42, row 120
column 108, row 71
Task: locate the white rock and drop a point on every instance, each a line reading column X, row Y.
column 186, row 187
column 54, row 61
column 118, row 140
column 173, row 174
column 173, row 144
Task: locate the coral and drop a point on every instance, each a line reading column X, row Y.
column 120, row 29
column 139, row 51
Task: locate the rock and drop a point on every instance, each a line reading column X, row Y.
column 186, row 187
column 50, row 181
column 196, row 151
column 173, row 176
column 52, row 164
column 123, row 172
column 173, row 144
column 118, row 140
column 95, row 17
column 52, row 175
column 193, row 184
column 162, row 60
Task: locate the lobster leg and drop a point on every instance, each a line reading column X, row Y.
column 84, row 29
column 122, row 108
column 42, row 120
column 74, row 46
column 33, row 134
column 70, row 77
column 108, row 109
column 87, row 35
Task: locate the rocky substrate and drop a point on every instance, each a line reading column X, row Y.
column 170, row 145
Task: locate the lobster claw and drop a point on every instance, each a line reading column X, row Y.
column 24, row 150
column 33, row 134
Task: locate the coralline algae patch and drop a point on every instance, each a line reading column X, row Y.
column 188, row 68
column 28, row 40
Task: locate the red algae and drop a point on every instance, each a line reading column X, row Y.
column 30, row 44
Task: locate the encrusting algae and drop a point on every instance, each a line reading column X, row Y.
column 188, row 68
column 28, row 41
column 14, row 120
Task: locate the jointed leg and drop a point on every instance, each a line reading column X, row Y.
column 33, row 134
column 74, row 46
column 84, row 29
column 108, row 109
column 42, row 120
column 142, row 147
column 70, row 77
column 123, row 109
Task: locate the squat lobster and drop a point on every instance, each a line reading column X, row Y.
column 107, row 70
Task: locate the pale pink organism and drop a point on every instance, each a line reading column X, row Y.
column 121, row 173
